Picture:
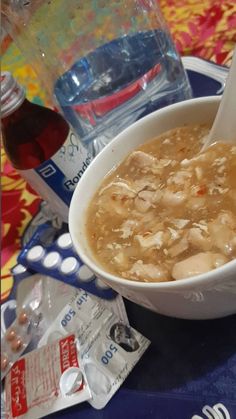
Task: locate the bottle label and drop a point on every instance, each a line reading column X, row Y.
column 62, row 172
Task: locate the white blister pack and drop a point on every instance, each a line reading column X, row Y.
column 46, row 380
column 109, row 348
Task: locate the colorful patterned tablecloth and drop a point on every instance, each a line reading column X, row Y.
column 206, row 29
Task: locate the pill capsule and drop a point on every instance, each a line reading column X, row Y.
column 64, row 241
column 17, row 344
column 23, row 318
column 10, row 335
column 51, row 260
column 35, row 253
column 85, row 274
column 4, row 362
column 69, row 266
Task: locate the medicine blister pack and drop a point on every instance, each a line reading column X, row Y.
column 19, row 335
column 46, row 380
column 109, row 347
column 81, row 346
column 51, row 252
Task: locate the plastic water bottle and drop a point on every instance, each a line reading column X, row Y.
column 118, row 83
column 107, row 63
column 41, row 145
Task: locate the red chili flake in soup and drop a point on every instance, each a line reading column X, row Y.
column 202, row 190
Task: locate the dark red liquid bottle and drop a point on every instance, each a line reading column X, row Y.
column 26, row 133
column 41, row 146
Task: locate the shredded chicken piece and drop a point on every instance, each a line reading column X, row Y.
column 114, row 198
column 197, row 239
column 147, row 272
column 140, row 159
column 198, row 264
column 200, row 158
column 202, row 225
column 142, row 205
column 179, row 248
column 174, row 234
column 147, row 195
column 127, row 228
column 221, row 236
column 173, row 199
column 119, row 188
column 180, row 222
column 154, row 240
column 120, row 259
column 179, row 178
column 145, row 183
column 219, row 161
column 146, row 199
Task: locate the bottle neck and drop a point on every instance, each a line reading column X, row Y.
column 12, row 94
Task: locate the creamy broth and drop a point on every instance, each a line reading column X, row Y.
column 166, row 212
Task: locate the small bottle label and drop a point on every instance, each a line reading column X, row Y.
column 64, row 170
column 61, row 173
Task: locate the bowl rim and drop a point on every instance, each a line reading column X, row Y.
column 194, row 281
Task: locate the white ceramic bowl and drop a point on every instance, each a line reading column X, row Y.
column 205, row 296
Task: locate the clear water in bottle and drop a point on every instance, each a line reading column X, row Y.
column 120, row 82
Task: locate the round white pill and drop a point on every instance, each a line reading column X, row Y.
column 85, row 274
column 35, row 253
column 19, row 269
column 64, row 241
column 100, row 284
column 51, row 260
column 69, row 266
column 71, row 381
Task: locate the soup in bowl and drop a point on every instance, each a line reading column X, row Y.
column 156, row 220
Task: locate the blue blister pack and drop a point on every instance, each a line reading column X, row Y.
column 50, row 252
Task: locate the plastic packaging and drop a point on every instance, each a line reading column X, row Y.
column 43, row 297
column 53, row 295
column 46, row 380
column 41, row 146
column 19, row 335
column 109, row 347
column 56, row 257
